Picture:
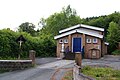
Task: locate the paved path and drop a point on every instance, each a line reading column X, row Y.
column 41, row 72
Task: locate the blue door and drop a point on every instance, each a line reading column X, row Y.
column 76, row 44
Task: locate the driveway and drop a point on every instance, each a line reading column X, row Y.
column 40, row 72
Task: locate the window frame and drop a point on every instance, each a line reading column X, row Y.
column 88, row 41
column 61, row 41
column 65, row 40
column 95, row 40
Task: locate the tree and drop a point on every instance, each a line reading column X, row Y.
column 113, row 36
column 27, row 27
column 64, row 19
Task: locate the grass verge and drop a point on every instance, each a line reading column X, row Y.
column 68, row 75
column 100, row 73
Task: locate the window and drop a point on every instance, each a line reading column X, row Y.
column 65, row 40
column 61, row 41
column 95, row 40
column 88, row 40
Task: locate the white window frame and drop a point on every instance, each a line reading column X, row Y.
column 61, row 41
column 95, row 40
column 88, row 40
column 65, row 40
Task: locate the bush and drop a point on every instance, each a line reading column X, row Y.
column 116, row 52
column 44, row 45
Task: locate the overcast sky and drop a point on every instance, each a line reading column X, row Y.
column 15, row 12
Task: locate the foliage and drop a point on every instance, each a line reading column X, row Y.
column 116, row 52
column 102, row 21
column 64, row 19
column 27, row 27
column 113, row 36
column 101, row 73
column 105, row 22
column 9, row 48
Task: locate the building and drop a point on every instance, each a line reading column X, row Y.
column 85, row 39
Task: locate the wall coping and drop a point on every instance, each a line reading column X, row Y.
column 15, row 60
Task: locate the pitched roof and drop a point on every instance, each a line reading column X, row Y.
column 81, row 25
column 79, row 31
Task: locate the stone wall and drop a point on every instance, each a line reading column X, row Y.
column 79, row 76
column 15, row 64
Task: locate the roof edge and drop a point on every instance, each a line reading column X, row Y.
column 79, row 31
column 70, row 28
column 82, row 25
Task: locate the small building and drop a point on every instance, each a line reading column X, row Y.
column 85, row 39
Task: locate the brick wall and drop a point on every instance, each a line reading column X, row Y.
column 15, row 64
column 89, row 46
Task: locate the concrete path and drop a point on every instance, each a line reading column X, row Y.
column 41, row 72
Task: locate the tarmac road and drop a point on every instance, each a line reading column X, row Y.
column 40, row 72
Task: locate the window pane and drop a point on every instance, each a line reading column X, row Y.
column 95, row 40
column 88, row 40
column 61, row 41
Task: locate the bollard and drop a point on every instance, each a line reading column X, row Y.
column 32, row 56
column 78, row 58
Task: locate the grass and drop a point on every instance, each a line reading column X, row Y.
column 68, row 75
column 101, row 73
column 2, row 71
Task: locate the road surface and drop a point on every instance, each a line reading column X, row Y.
column 40, row 72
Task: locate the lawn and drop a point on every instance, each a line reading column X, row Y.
column 100, row 73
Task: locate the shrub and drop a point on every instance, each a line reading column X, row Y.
column 9, row 48
column 116, row 52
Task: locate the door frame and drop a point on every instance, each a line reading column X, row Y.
column 72, row 42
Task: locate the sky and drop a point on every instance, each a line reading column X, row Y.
column 15, row 12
